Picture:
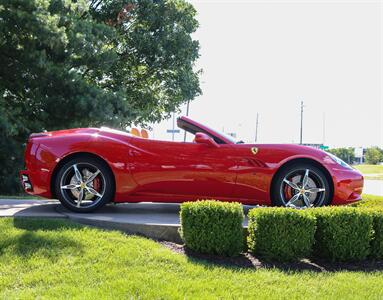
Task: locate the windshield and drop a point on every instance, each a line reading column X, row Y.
column 193, row 127
column 227, row 136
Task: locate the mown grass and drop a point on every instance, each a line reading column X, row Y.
column 20, row 197
column 370, row 201
column 371, row 171
column 57, row 259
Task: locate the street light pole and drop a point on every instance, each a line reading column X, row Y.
column 324, row 128
column 187, row 114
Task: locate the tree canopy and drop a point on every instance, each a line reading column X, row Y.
column 374, row 155
column 345, row 154
column 78, row 63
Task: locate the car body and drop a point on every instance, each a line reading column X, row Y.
column 211, row 167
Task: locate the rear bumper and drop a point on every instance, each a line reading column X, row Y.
column 26, row 181
column 35, row 182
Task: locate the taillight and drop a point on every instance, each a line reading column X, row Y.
column 26, row 182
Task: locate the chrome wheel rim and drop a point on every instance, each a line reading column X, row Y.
column 82, row 185
column 302, row 188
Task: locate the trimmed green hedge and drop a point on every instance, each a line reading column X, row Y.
column 282, row 234
column 377, row 239
column 212, row 227
column 343, row 233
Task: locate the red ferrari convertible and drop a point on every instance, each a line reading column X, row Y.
column 88, row 167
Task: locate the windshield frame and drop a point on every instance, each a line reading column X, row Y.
column 193, row 127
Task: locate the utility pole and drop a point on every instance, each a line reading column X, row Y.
column 187, row 114
column 256, row 129
column 324, row 128
column 301, row 133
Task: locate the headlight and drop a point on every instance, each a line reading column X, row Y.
column 339, row 161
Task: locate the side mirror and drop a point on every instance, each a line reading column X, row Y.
column 202, row 138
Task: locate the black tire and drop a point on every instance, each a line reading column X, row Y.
column 67, row 177
column 281, row 190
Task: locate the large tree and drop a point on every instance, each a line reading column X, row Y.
column 87, row 63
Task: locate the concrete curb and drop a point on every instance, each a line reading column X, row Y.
column 152, row 220
column 167, row 232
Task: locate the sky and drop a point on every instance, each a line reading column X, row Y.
column 266, row 57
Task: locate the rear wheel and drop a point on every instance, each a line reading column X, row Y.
column 84, row 184
column 301, row 186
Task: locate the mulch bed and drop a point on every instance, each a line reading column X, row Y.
column 247, row 260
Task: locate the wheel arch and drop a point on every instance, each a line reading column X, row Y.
column 303, row 160
column 71, row 156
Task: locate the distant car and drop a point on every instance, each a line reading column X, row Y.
column 88, row 167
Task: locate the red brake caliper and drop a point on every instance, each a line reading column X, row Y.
column 288, row 191
column 96, row 184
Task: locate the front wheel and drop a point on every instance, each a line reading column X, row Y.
column 300, row 186
column 84, row 184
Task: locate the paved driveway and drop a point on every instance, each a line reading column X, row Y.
column 154, row 220
column 132, row 213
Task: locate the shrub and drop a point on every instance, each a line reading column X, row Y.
column 212, row 227
column 343, row 233
column 282, row 234
column 377, row 239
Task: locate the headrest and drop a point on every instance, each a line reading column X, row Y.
column 135, row 131
column 144, row 133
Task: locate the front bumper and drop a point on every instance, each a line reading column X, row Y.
column 348, row 186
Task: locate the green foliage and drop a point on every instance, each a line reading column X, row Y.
column 345, row 154
column 343, row 233
column 377, row 239
column 374, row 155
column 370, row 171
column 369, row 201
column 281, row 234
column 86, row 63
column 212, row 227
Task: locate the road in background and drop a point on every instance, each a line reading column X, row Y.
column 373, row 187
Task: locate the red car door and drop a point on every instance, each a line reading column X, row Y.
column 182, row 171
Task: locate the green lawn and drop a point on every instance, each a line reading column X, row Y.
column 20, row 197
column 371, row 171
column 58, row 259
column 370, row 201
